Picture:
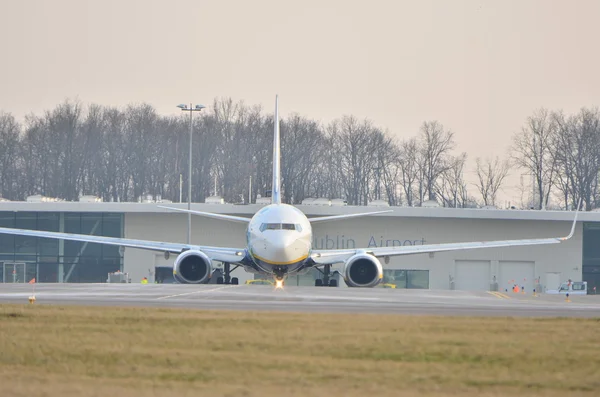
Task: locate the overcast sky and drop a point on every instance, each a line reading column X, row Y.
column 478, row 67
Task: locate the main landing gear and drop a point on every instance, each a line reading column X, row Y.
column 226, row 278
column 326, row 281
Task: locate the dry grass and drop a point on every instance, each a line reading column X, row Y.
column 94, row 351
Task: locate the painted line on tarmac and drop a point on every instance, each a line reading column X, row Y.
column 498, row 295
column 195, row 292
column 272, row 294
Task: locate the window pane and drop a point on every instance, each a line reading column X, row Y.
column 48, row 272
column 591, row 241
column 7, row 241
column 25, row 244
column 112, row 226
column 48, row 221
column 72, row 225
column 86, row 269
column 418, row 279
column 395, row 276
column 91, row 223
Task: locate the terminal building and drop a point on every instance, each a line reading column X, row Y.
column 541, row 267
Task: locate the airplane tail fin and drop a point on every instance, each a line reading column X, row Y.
column 276, row 189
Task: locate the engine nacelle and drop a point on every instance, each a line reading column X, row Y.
column 192, row 267
column 363, row 270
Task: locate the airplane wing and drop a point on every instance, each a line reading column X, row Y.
column 324, row 257
column 210, row 214
column 346, row 216
column 231, row 255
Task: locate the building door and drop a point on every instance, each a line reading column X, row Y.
column 552, row 281
column 472, row 275
column 14, row 272
column 517, row 273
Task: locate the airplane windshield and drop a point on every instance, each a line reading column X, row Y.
column 279, row 226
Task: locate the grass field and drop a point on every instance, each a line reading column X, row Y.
column 97, row 351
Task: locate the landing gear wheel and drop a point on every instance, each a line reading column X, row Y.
column 219, row 280
column 318, row 282
column 235, row 281
column 333, row 283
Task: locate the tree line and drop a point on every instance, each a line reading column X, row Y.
column 561, row 153
column 123, row 154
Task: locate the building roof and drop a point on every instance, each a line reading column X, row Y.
column 309, row 210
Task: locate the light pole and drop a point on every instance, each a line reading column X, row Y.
column 190, row 109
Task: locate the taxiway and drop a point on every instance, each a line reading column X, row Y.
column 305, row 299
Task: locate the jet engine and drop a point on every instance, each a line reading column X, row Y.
column 363, row 270
column 192, row 267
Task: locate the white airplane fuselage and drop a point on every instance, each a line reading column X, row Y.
column 279, row 239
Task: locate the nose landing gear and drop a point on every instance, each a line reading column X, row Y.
column 279, row 273
column 279, row 282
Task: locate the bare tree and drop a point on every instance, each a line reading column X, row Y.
column 451, row 186
column 328, row 178
column 9, row 156
column 490, row 175
column 357, row 144
column 435, row 145
column 300, row 139
column 389, row 166
column 113, row 184
column 120, row 154
column 577, row 152
column 409, row 160
column 533, row 152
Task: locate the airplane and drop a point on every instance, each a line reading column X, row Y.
column 279, row 244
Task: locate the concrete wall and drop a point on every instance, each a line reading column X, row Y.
column 512, row 264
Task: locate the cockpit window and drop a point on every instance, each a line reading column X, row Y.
column 279, row 226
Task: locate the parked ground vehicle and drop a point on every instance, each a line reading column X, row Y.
column 570, row 287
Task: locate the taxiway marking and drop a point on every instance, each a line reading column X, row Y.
column 498, row 295
column 195, row 292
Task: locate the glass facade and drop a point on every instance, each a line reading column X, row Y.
column 591, row 256
column 403, row 278
column 51, row 260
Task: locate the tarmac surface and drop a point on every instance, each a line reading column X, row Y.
column 306, row 299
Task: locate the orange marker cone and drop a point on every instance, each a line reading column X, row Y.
column 32, row 297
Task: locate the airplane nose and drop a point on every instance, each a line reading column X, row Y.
column 282, row 243
column 284, row 247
